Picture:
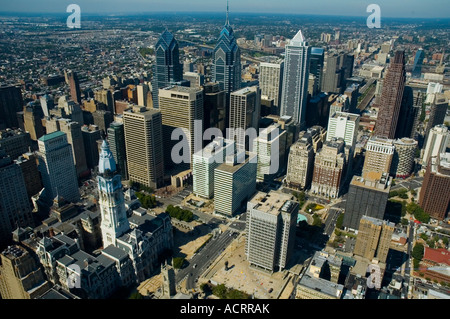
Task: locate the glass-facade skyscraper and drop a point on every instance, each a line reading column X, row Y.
column 295, row 81
column 418, row 61
column 227, row 61
column 168, row 70
column 316, row 68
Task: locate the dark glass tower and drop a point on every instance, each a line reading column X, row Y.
column 418, row 61
column 116, row 140
column 316, row 67
column 227, row 61
column 168, row 69
column 391, row 97
column 11, row 102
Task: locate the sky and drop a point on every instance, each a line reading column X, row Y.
column 389, row 8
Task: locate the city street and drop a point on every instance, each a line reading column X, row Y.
column 204, row 258
column 330, row 222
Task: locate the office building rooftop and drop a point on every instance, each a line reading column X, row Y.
column 273, row 202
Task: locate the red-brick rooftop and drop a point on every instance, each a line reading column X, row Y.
column 440, row 256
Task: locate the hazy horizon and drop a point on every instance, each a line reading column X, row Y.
column 438, row 9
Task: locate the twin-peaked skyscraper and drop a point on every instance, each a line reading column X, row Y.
column 168, row 70
column 226, row 69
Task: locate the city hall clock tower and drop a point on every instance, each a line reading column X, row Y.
column 111, row 202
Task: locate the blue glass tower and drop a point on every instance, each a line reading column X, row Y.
column 227, row 61
column 168, row 69
column 418, row 61
column 316, row 63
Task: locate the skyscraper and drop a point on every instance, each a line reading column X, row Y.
column 434, row 196
column 418, row 61
column 11, row 101
column 215, row 109
column 22, row 276
column 301, row 163
column 333, row 74
column 142, row 93
column 57, row 167
column 271, row 82
column 271, row 224
column 438, row 139
column 329, row 166
column 379, row 154
column 204, row 163
column 103, row 119
column 181, row 108
column 343, row 125
column 407, row 114
column 116, row 141
column 15, row 142
column 438, row 111
column 367, row 195
column 30, row 171
column 347, row 65
column 75, row 139
column 226, row 68
column 294, row 95
column 167, row 70
column 374, row 238
column 245, row 107
column 403, row 161
column 270, row 146
column 234, row 183
column 91, row 134
column 15, row 208
column 316, row 68
column 32, row 116
column 74, row 83
column 144, row 146
column 391, row 97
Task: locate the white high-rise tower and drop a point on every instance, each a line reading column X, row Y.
column 114, row 216
column 295, row 79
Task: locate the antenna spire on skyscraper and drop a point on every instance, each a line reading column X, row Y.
column 227, row 22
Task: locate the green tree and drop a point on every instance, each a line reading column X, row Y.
column 340, row 221
column 317, row 221
column 418, row 251
column 220, row 291
column 147, row 201
column 301, row 197
column 418, row 212
column 416, row 263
